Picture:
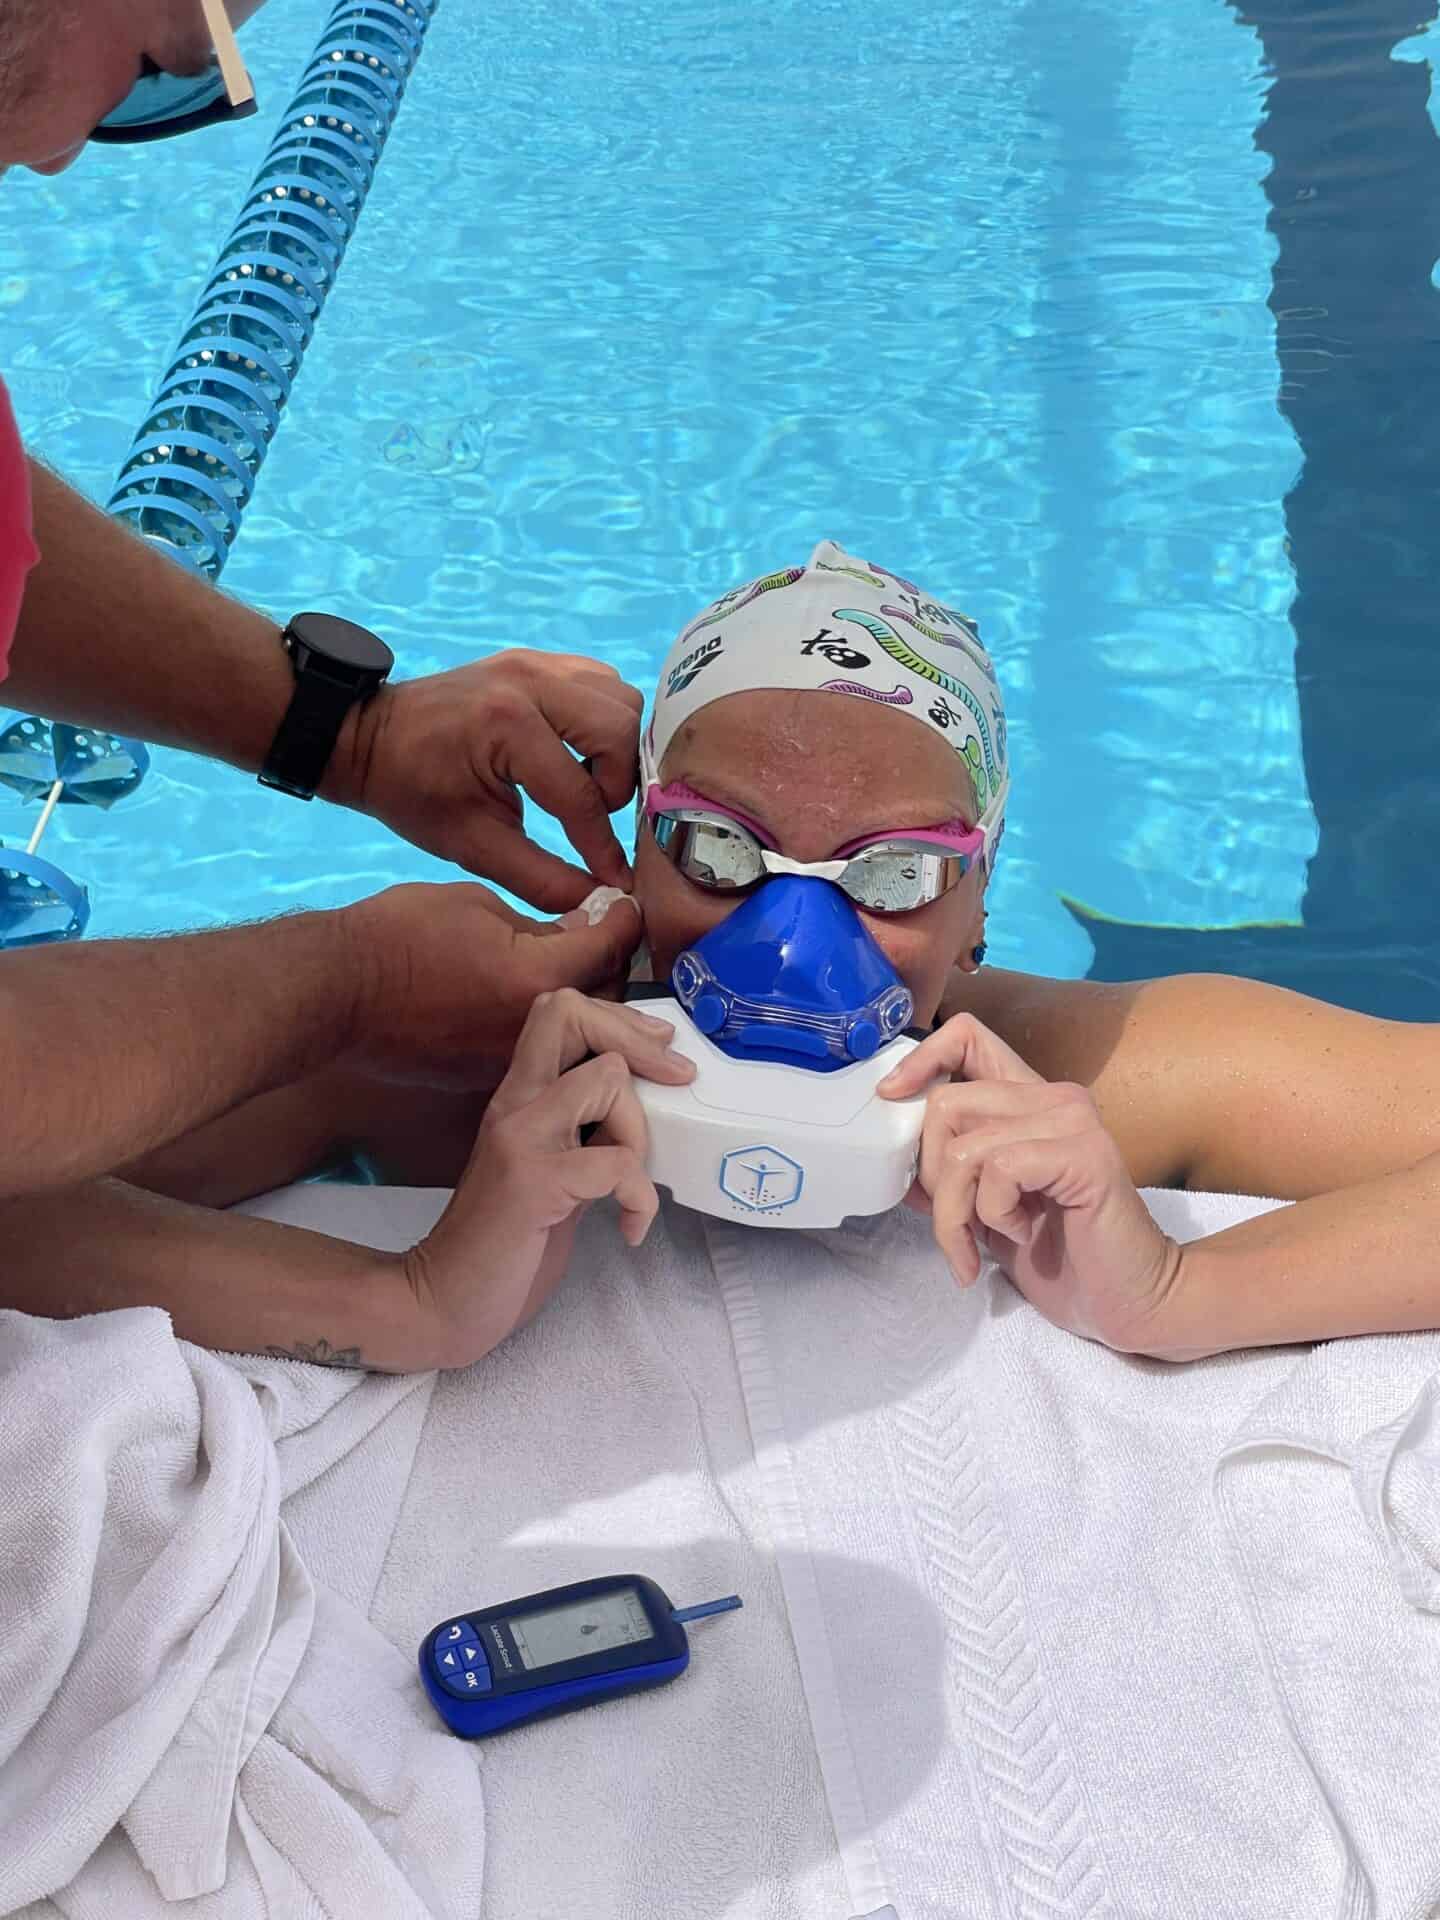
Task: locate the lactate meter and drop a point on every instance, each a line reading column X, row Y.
column 555, row 1652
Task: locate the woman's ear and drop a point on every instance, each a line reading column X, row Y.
column 972, row 951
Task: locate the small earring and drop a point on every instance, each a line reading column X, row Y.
column 977, row 954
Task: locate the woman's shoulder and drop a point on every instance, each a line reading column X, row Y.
column 1064, row 1029
column 1219, row 1082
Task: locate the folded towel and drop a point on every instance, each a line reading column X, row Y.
column 183, row 1714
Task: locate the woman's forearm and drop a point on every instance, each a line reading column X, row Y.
column 1364, row 1259
column 227, row 1281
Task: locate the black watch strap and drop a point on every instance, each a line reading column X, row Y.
column 336, row 663
column 305, row 738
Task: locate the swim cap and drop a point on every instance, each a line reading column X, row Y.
column 841, row 625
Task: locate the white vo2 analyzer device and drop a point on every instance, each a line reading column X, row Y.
column 793, row 1016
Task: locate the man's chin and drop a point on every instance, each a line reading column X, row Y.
column 58, row 162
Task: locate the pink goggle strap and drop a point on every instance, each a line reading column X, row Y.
column 678, row 794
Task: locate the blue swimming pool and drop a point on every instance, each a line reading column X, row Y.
column 1112, row 323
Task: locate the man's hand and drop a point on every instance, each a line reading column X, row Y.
column 448, row 975
column 444, row 761
column 502, row 1245
column 1024, row 1167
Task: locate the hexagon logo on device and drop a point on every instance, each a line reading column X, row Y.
column 761, row 1179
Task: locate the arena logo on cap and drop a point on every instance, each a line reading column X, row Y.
column 688, row 670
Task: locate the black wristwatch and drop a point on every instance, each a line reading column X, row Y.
column 336, row 663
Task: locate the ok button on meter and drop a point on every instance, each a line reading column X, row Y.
column 462, row 1668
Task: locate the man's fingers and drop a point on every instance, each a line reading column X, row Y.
column 569, row 666
column 962, row 1048
column 555, row 780
column 503, row 854
column 600, row 719
column 966, row 1104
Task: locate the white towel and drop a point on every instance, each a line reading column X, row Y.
column 183, row 1714
column 1105, row 1734
column 995, row 1622
column 611, row 1436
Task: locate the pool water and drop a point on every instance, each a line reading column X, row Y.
column 1111, row 324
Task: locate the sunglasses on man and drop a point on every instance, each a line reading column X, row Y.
column 160, row 105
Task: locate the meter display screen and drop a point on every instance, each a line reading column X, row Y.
column 580, row 1627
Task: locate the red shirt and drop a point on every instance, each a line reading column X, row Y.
column 17, row 548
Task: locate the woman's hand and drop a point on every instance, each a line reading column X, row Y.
column 1026, row 1168
column 502, row 1245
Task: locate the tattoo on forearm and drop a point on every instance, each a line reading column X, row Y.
column 321, row 1354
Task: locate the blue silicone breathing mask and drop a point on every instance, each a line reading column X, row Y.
column 793, row 976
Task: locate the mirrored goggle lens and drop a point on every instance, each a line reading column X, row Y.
column 900, row 876
column 896, row 876
column 712, row 852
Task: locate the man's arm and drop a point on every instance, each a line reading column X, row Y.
column 113, row 634
column 1226, row 1085
column 110, row 1050
column 241, row 1285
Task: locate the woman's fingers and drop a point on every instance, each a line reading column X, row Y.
column 564, row 1028
column 1049, row 1139
column 599, row 1094
column 962, row 1048
column 967, row 1109
column 595, row 1173
column 1000, row 1198
column 952, row 1208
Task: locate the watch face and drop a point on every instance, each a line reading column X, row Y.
column 341, row 643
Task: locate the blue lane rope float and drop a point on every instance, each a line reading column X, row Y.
column 57, row 765
column 191, row 469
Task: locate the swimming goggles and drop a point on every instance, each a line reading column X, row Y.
column 160, row 104
column 726, row 852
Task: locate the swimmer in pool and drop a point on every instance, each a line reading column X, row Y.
column 822, row 712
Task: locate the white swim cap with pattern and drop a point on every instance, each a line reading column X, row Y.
column 840, row 625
